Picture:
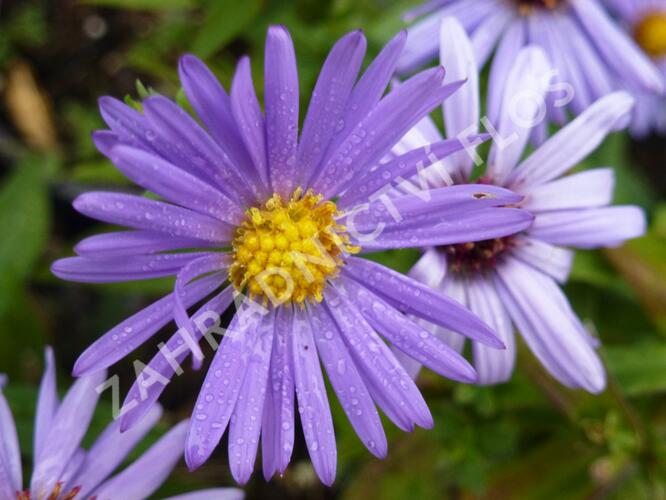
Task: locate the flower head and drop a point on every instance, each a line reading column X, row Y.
column 282, row 215
column 64, row 471
column 513, row 280
column 589, row 53
column 645, row 20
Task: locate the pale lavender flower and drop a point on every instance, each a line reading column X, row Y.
column 513, row 281
column 645, row 21
column 256, row 198
column 62, row 470
column 586, row 47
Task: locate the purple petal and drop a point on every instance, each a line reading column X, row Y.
column 277, row 428
column 486, row 35
column 426, row 206
column 510, row 44
column 591, row 228
column 370, row 88
column 281, row 102
column 72, row 468
column 538, row 34
column 554, row 261
column 179, row 128
column 313, row 407
column 247, row 113
column 408, row 336
column 137, row 329
column 347, row 382
column 455, row 288
column 382, row 128
column 390, row 386
column 430, row 269
column 68, row 427
column 591, row 67
column 245, row 424
column 572, row 143
column 192, row 270
column 174, row 184
column 10, row 455
column 462, row 109
column 133, row 129
column 492, row 365
column 141, row 213
column 423, row 42
column 105, row 141
column 554, row 334
column 477, row 225
column 146, row 474
column 216, row 493
column 417, row 299
column 415, row 161
column 423, row 133
column 109, row 451
column 213, row 107
column 329, row 100
column 114, row 269
column 568, row 70
column 592, row 188
column 47, row 403
column 617, row 48
column 131, row 243
column 139, row 398
column 221, row 388
column 523, row 101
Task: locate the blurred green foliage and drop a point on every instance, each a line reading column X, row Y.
column 530, row 438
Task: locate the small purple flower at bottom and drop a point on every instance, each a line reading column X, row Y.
column 645, row 20
column 266, row 209
column 513, row 280
column 586, row 47
column 62, row 470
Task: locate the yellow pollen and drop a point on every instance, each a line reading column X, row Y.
column 650, row 34
column 284, row 252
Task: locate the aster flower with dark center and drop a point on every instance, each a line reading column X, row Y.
column 264, row 207
column 587, row 49
column 645, row 20
column 513, row 280
column 64, row 471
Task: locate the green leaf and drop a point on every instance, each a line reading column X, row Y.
column 638, row 368
column 22, row 333
column 25, row 216
column 101, row 172
column 225, row 20
column 592, row 269
column 660, row 221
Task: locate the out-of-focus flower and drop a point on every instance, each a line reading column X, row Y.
column 513, row 280
column 646, row 21
column 269, row 207
column 62, row 470
column 589, row 52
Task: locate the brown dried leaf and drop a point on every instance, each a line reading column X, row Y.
column 30, row 108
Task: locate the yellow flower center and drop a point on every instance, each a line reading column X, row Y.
column 650, row 34
column 285, row 251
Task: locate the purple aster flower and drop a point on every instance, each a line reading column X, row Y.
column 645, row 20
column 587, row 49
column 62, row 470
column 265, row 207
column 513, row 280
